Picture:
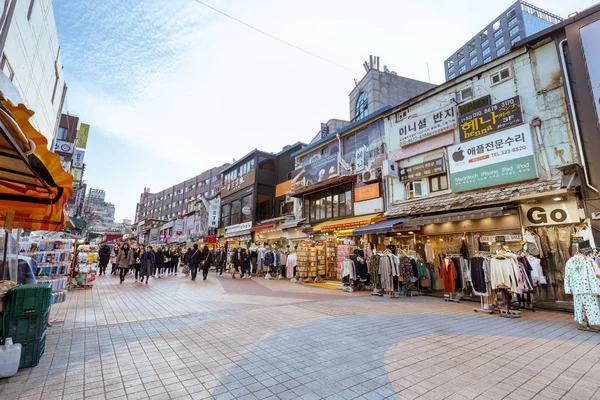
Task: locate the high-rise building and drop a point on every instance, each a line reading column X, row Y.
column 30, row 59
column 516, row 23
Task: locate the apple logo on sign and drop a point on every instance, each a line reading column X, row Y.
column 458, row 155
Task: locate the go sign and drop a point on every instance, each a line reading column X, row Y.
column 550, row 213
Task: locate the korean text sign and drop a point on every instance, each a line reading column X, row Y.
column 422, row 170
column 419, row 126
column 490, row 119
column 501, row 158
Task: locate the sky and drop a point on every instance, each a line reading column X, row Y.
column 173, row 88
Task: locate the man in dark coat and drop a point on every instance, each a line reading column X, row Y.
column 104, row 256
column 193, row 258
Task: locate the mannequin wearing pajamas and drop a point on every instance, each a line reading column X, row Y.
column 580, row 279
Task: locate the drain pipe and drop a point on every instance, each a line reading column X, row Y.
column 561, row 46
column 537, row 127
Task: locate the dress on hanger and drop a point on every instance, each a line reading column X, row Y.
column 449, row 275
column 581, row 281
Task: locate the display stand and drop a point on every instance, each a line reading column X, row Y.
column 508, row 312
column 331, row 271
column 452, row 297
column 86, row 263
column 306, row 262
column 321, row 262
column 489, row 310
column 588, row 328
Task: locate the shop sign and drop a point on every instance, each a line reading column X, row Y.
column 318, row 171
column 78, row 158
column 501, row 239
column 367, row 192
column 77, row 173
column 238, row 227
column 209, row 239
column 213, row 213
column 423, row 170
column 246, row 210
column 490, row 119
column 179, row 225
column 504, row 157
column 345, row 225
column 589, row 42
column 324, row 130
column 550, row 213
column 360, row 159
column 419, row 126
column 63, row 147
column 241, row 182
column 82, row 136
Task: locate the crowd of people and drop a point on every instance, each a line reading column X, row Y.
column 144, row 262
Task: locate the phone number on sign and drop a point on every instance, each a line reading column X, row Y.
column 505, row 152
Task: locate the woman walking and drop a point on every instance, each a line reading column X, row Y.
column 206, row 260
column 175, row 257
column 113, row 260
column 159, row 262
column 192, row 258
column 104, row 256
column 124, row 260
column 137, row 256
column 236, row 261
column 147, row 260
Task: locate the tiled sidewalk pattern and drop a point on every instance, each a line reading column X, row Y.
column 252, row 339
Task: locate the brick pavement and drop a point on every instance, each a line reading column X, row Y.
column 256, row 339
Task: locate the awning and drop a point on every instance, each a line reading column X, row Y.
column 457, row 216
column 33, row 185
column 259, row 228
column 239, row 233
column 291, row 224
column 347, row 223
column 380, row 227
column 328, row 184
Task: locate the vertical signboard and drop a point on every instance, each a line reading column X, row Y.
column 82, row 137
column 78, row 158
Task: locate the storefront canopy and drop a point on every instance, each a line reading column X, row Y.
column 291, row 224
column 457, row 216
column 347, row 223
column 380, row 227
column 262, row 227
column 33, row 185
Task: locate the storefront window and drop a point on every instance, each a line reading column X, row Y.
column 225, row 215
column 236, row 208
column 336, row 206
column 333, row 203
column 438, row 183
column 413, row 190
column 342, row 198
column 247, row 206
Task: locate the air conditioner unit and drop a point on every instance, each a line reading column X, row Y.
column 288, row 198
column 370, row 175
column 390, row 169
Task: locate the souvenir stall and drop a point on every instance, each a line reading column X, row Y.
column 85, row 267
column 33, row 190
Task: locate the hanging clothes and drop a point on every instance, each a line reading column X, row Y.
column 480, row 276
column 504, row 272
column 581, row 281
column 385, row 272
column 348, row 269
column 374, row 269
column 449, row 275
column 406, row 269
column 429, row 254
column 362, row 273
column 537, row 272
column 458, row 265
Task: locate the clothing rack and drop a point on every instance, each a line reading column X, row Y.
column 491, row 307
column 449, row 296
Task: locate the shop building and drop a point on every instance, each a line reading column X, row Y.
column 474, row 156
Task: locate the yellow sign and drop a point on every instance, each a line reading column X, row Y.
column 368, row 192
column 82, row 138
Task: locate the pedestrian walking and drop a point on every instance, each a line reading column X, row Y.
column 160, row 262
column 167, row 261
column 193, row 260
column 220, row 261
column 124, row 260
column 104, row 258
column 245, row 263
column 253, row 262
column 113, row 260
column 235, row 262
column 175, row 257
column 137, row 256
column 148, row 259
column 206, row 261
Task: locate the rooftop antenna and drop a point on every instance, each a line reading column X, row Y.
column 428, row 76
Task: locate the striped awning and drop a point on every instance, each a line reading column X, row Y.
column 33, row 184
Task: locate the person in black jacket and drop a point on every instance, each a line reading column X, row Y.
column 104, row 256
column 253, row 262
column 193, row 258
column 160, row 262
column 206, row 261
column 236, row 262
column 245, row 262
column 220, row 260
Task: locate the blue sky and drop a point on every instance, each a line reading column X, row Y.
column 171, row 88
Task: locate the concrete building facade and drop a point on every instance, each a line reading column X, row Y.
column 30, row 59
column 517, row 22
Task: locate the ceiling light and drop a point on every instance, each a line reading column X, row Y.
column 410, row 233
column 558, row 198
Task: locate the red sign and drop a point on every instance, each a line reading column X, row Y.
column 209, row 239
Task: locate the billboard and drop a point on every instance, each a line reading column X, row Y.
column 318, row 171
column 501, row 158
column 78, row 158
column 420, row 125
column 490, row 119
column 63, row 147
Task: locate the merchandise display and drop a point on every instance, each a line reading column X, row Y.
column 331, row 271
column 52, row 262
column 86, row 265
column 581, row 280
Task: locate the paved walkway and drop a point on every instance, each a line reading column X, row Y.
column 258, row 339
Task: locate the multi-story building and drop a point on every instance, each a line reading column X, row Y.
column 31, row 60
column 96, row 196
column 517, row 22
column 170, row 203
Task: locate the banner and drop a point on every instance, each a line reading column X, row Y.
column 423, row 170
column 77, row 173
column 179, row 225
column 82, row 137
column 419, row 126
column 213, row 213
column 78, row 158
column 319, row 171
column 504, row 157
column 491, row 119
